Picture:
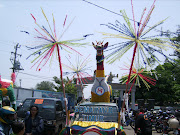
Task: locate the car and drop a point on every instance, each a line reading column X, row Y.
column 50, row 109
column 95, row 117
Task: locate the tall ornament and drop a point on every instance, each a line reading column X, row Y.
column 100, row 90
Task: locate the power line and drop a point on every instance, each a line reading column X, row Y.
column 42, row 77
column 123, row 16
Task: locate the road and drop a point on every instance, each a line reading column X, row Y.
column 130, row 131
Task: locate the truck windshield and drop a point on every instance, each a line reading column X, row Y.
column 48, row 104
column 96, row 113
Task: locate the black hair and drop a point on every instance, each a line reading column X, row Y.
column 36, row 108
column 6, row 101
column 17, row 126
column 141, row 109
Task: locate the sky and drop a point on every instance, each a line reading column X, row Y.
column 16, row 17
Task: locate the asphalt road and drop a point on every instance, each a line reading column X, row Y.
column 130, row 131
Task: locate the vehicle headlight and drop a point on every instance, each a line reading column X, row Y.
column 51, row 122
column 21, row 119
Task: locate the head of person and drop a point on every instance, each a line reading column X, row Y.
column 135, row 113
column 7, row 114
column 34, row 110
column 141, row 110
column 18, row 128
column 6, row 101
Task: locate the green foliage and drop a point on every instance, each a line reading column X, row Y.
column 167, row 88
column 176, row 40
column 45, row 85
column 69, row 87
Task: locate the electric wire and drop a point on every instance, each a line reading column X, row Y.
column 122, row 16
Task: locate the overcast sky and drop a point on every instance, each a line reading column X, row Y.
column 15, row 17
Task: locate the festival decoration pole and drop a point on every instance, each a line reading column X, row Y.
column 79, row 72
column 49, row 42
column 134, row 53
column 65, row 99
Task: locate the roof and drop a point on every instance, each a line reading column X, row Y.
column 55, row 99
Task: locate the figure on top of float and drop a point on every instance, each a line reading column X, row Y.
column 100, row 91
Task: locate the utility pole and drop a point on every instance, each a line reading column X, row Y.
column 16, row 63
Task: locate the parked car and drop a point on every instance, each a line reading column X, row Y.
column 50, row 109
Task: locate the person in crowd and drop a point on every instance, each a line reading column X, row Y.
column 177, row 114
column 142, row 124
column 6, row 119
column 18, row 128
column 5, row 101
column 34, row 124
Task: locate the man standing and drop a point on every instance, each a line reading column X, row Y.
column 142, row 124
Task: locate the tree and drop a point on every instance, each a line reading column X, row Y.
column 176, row 40
column 167, row 88
column 45, row 85
column 69, row 87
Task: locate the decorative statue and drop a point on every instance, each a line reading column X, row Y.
column 100, row 91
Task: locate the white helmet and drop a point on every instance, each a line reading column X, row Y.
column 173, row 123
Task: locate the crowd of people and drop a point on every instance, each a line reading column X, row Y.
column 9, row 125
column 144, row 121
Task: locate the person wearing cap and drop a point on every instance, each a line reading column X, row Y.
column 7, row 116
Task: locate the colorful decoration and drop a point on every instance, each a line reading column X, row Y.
column 86, row 127
column 137, row 75
column 136, row 38
column 79, row 72
column 100, row 90
column 102, row 128
column 13, row 77
column 6, row 89
column 50, row 42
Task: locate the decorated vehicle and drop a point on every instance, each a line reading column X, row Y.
column 99, row 116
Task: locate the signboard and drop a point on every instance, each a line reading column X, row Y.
column 38, row 101
column 97, row 113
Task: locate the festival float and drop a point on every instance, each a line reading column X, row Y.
column 99, row 116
